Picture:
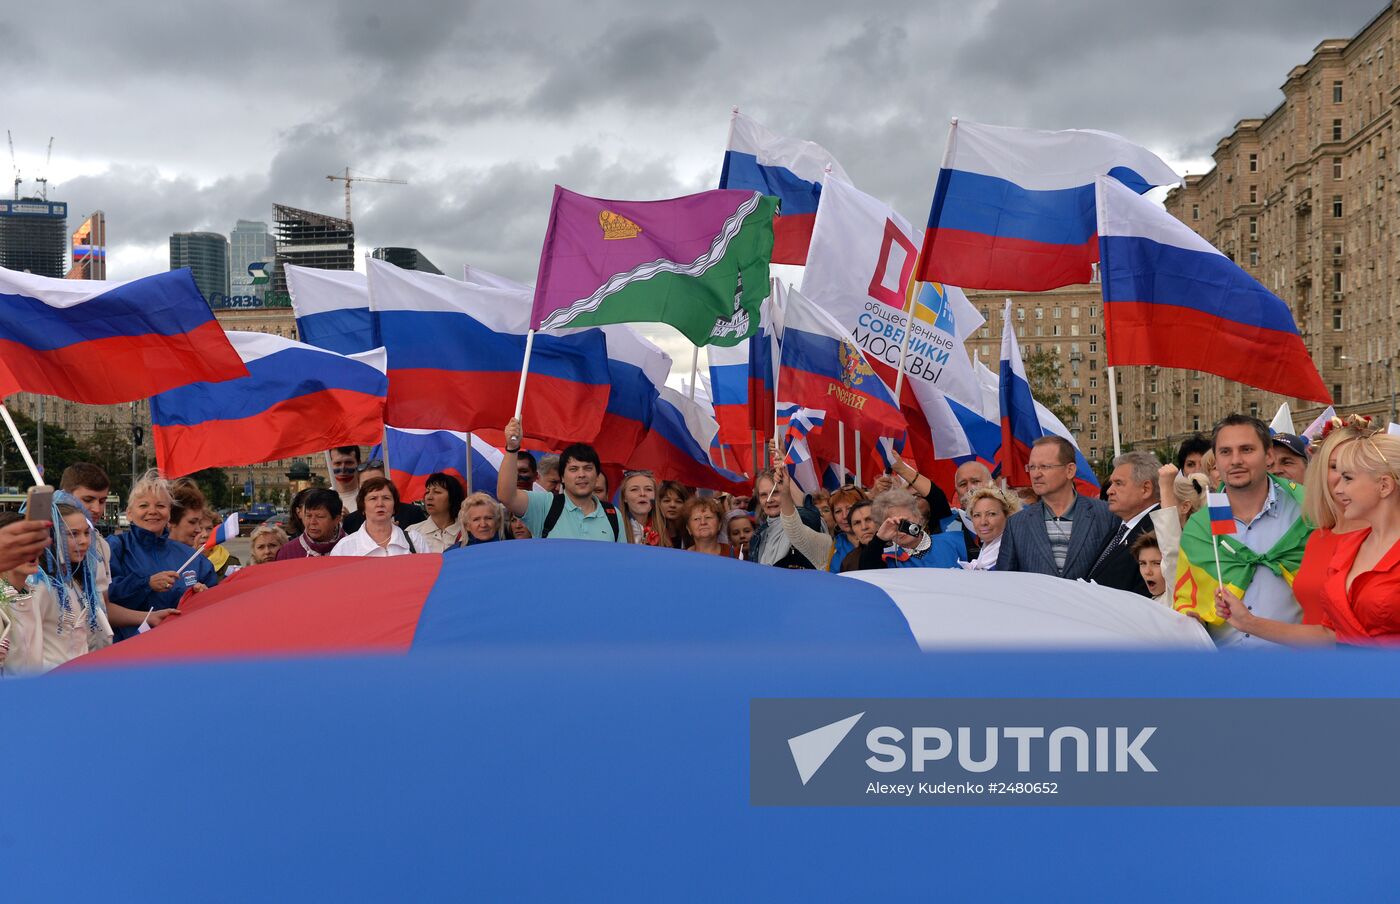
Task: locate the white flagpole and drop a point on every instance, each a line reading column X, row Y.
column 1100, row 209
column 23, row 449
column 1113, row 411
column 694, row 369
column 841, row 449
column 468, row 475
column 524, row 370
column 1219, row 579
column 858, row 483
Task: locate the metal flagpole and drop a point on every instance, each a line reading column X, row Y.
column 694, row 369
column 1113, row 411
column 23, row 449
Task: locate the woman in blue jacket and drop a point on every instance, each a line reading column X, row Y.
column 146, row 586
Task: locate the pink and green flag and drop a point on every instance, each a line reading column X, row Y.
column 699, row 263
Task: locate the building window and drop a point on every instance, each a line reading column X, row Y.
column 1074, row 400
column 1254, row 227
column 1336, row 92
column 1336, row 318
column 1336, row 167
column 1195, row 211
column 1337, row 248
column 1254, row 163
column 1093, row 382
column 1093, row 364
column 1254, row 257
column 1337, row 393
column 1093, row 329
column 1021, row 314
column 1058, row 312
column 1336, row 205
column 1094, row 416
column 1195, row 397
column 1039, row 330
column 1093, row 436
column 1336, row 130
column 1152, row 387
column 1074, row 312
column 1195, row 422
column 1337, row 281
column 1039, row 313
column 1055, row 329
column 1336, row 356
column 1093, row 348
column 1093, row 399
column 1253, row 409
column 1254, row 194
column 1074, row 329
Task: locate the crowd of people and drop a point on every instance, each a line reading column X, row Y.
column 1313, row 558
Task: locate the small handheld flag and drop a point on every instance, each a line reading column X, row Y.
column 224, row 532
column 1222, row 519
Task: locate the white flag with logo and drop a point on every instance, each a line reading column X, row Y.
column 859, row 268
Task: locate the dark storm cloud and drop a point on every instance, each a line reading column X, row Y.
column 646, row 63
column 190, row 116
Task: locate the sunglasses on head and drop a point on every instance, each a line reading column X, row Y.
column 373, row 465
column 626, row 474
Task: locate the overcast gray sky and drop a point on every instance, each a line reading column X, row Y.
column 174, row 117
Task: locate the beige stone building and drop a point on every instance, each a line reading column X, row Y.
column 1307, row 199
column 1067, row 322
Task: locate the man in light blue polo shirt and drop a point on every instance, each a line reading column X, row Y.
column 573, row 514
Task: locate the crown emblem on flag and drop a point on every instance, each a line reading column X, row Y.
column 616, row 226
column 854, row 368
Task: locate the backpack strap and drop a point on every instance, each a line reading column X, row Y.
column 556, row 510
column 611, row 511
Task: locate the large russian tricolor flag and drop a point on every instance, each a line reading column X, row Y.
column 1014, row 208
column 1173, row 300
column 414, row 455
column 332, row 309
column 455, row 356
column 101, row 342
column 677, row 446
column 821, row 366
column 1023, row 420
column 636, row 366
column 789, row 169
column 295, row 400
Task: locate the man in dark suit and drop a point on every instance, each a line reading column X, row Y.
column 1062, row 534
column 1133, row 497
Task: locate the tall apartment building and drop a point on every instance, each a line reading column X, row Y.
column 90, row 248
column 206, row 255
column 1068, row 324
column 1307, row 199
column 249, row 243
column 34, row 236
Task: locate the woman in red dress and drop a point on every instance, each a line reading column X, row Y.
column 1321, row 508
column 1361, row 593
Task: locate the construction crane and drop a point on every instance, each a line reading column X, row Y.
column 13, row 165
column 44, row 179
column 347, row 178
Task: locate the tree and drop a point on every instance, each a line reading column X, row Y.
column 1048, row 385
column 60, row 451
column 110, row 449
column 213, row 483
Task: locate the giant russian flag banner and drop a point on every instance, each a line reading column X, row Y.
column 789, row 169
column 1014, row 208
column 295, row 400
column 1171, row 299
column 699, row 263
column 456, row 351
column 332, row 309
column 101, row 342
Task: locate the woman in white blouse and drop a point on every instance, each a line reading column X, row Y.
column 442, row 501
column 989, row 507
column 379, row 536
